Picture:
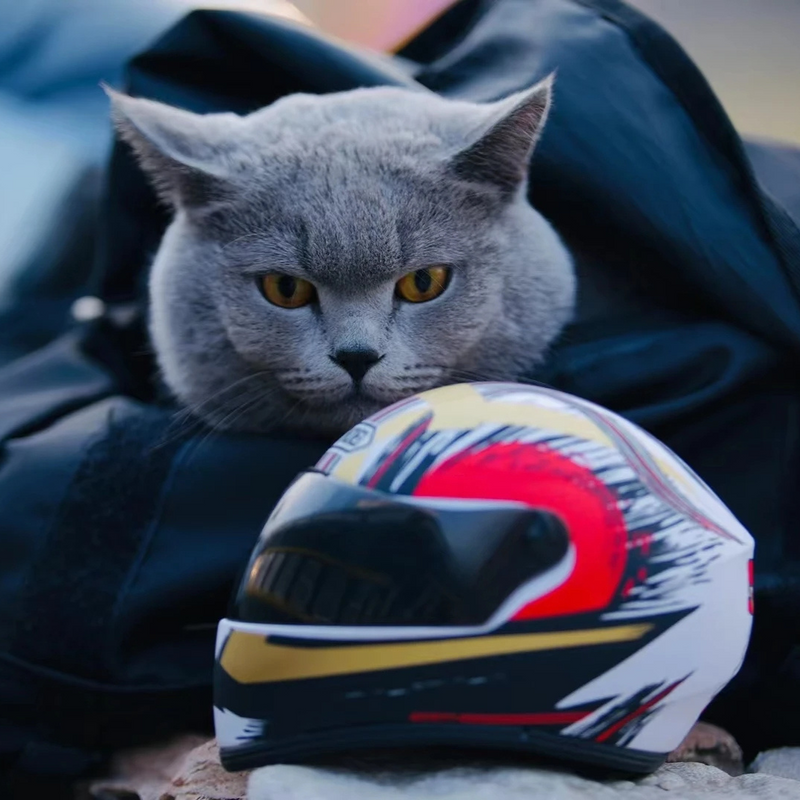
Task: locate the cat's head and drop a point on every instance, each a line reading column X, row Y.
column 329, row 255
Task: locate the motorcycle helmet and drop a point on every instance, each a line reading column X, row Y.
column 486, row 566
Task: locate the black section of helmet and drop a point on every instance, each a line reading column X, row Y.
column 337, row 554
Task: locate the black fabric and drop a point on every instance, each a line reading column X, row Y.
column 125, row 469
column 123, row 527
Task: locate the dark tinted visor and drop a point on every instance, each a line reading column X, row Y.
column 334, row 553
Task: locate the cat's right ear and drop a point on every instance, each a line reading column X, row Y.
column 184, row 155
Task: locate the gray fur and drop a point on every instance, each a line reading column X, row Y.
column 350, row 191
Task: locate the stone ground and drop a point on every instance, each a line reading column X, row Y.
column 189, row 770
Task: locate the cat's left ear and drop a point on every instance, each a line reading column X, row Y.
column 500, row 154
column 184, row 155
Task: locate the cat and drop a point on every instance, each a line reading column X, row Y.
column 329, row 255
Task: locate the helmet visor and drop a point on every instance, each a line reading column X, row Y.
column 333, row 553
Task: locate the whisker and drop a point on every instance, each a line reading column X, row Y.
column 187, row 419
column 226, row 422
column 195, row 408
column 229, row 418
column 174, row 431
column 289, row 412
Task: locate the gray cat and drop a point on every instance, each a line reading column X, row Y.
column 329, row 255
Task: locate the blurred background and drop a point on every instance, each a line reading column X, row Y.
column 749, row 50
column 55, row 135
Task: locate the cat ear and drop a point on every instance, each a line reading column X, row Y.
column 183, row 154
column 501, row 153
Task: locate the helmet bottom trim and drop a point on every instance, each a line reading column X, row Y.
column 570, row 751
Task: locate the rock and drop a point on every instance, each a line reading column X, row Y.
column 783, row 762
column 202, row 778
column 144, row 771
column 186, row 768
column 708, row 744
column 684, row 781
column 175, row 772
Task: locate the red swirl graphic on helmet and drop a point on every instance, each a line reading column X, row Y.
column 542, row 478
column 630, row 548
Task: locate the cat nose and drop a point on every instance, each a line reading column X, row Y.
column 356, row 362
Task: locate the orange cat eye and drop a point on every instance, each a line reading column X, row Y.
column 423, row 284
column 287, row 291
